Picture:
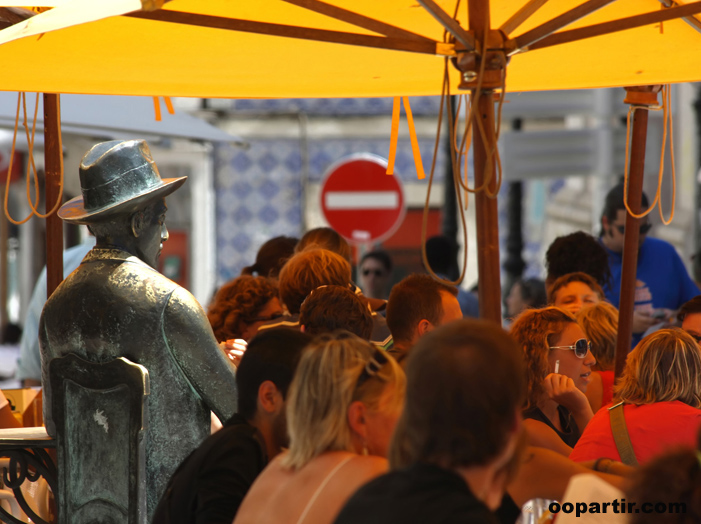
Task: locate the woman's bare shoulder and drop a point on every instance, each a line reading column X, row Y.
column 368, row 466
column 541, row 435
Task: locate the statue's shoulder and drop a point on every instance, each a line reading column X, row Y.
column 110, row 272
column 181, row 301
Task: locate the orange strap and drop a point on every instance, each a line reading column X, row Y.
column 414, row 141
column 157, row 108
column 169, row 105
column 412, row 135
column 394, row 136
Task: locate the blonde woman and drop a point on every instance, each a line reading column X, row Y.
column 600, row 324
column 558, row 371
column 661, row 394
column 343, row 405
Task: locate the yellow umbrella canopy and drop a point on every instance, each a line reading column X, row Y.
column 355, row 48
column 242, row 57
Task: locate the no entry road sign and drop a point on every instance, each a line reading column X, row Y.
column 360, row 201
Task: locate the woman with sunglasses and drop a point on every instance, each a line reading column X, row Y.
column 342, row 407
column 660, row 394
column 558, row 370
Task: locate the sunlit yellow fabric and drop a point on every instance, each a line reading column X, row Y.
column 137, row 57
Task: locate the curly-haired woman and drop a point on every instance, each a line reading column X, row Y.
column 558, row 370
column 242, row 305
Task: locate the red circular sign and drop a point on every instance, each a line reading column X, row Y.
column 360, row 201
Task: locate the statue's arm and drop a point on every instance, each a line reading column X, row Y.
column 191, row 342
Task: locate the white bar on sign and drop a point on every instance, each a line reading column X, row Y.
column 362, row 200
column 362, row 236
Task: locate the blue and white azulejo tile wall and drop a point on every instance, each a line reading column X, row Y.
column 259, row 190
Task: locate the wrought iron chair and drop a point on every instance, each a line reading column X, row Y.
column 100, row 415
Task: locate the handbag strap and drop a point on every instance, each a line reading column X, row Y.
column 620, row 435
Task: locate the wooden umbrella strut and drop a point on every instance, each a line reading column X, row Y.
column 491, row 65
column 52, row 168
column 641, row 98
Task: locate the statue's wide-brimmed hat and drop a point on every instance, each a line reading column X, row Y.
column 117, row 177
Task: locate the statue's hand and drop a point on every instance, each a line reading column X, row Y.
column 234, row 349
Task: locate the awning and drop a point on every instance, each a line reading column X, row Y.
column 225, row 48
column 112, row 117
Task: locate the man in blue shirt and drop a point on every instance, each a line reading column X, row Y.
column 662, row 282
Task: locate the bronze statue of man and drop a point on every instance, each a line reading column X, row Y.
column 116, row 304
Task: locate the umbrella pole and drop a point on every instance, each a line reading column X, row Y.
column 639, row 96
column 485, row 207
column 52, row 168
column 486, row 215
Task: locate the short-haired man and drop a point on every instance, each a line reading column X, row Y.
column 211, row 483
column 329, row 308
column 454, row 447
column 662, row 282
column 416, row 305
column 375, row 273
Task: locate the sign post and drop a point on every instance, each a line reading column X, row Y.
column 360, row 201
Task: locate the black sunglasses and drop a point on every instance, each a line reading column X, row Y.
column 580, row 347
column 644, row 228
column 372, row 367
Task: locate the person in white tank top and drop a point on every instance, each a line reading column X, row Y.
column 342, row 407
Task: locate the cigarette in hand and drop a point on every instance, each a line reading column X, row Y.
column 557, row 366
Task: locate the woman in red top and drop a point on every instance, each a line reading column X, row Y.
column 600, row 323
column 661, row 391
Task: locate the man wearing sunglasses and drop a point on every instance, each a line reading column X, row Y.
column 375, row 274
column 662, row 284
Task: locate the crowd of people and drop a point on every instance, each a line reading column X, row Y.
column 390, row 404
column 357, row 409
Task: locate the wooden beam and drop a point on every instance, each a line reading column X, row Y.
column 621, row 24
column 489, row 283
column 52, row 169
column 10, row 16
column 4, row 237
column 449, row 23
column 520, row 16
column 691, row 20
column 356, row 19
column 631, row 240
column 248, row 26
column 565, row 19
